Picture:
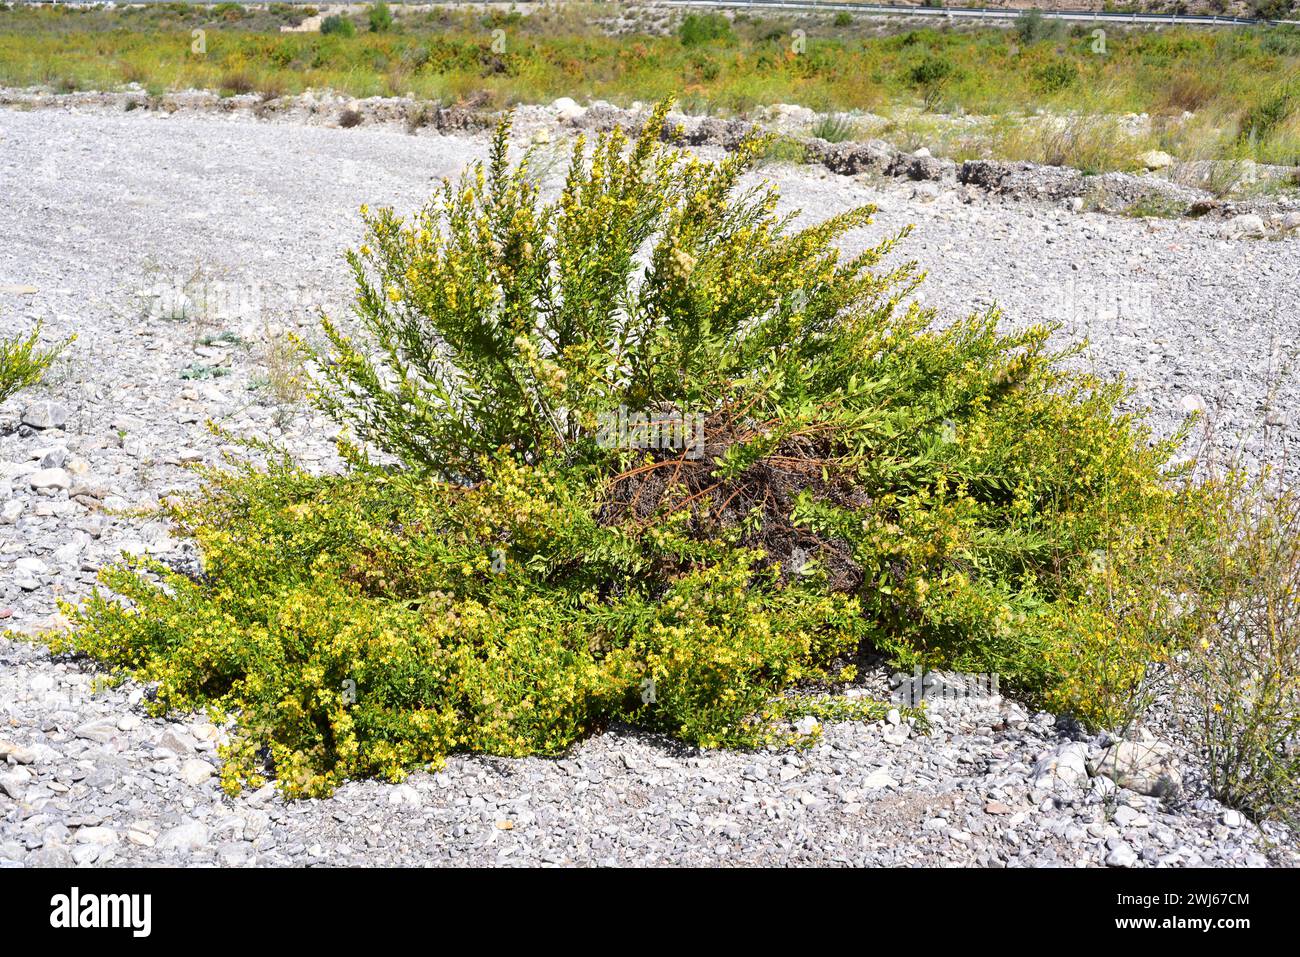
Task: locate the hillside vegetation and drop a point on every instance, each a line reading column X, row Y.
column 1240, row 87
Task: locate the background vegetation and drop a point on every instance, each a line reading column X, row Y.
column 1241, row 84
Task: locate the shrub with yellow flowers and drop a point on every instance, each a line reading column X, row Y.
column 23, row 362
column 493, row 574
column 363, row 625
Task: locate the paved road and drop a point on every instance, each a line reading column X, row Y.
column 978, row 13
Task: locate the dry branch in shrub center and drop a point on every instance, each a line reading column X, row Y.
column 759, row 501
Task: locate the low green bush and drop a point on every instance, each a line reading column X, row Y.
column 1273, row 9
column 1207, row 616
column 501, row 571
column 337, row 25
column 835, row 128
column 379, row 17
column 698, row 28
column 1236, row 677
column 1269, row 112
column 1031, row 26
column 23, row 362
column 358, row 626
column 1056, row 75
column 229, row 11
column 930, row 76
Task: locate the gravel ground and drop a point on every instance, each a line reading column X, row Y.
column 178, row 248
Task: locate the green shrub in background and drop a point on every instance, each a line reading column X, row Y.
column 930, row 76
column 337, row 25
column 1057, row 75
column 1031, row 26
column 698, row 28
column 23, row 362
column 229, row 11
column 1269, row 112
column 1218, row 75
column 379, row 17
column 1273, row 9
column 514, row 579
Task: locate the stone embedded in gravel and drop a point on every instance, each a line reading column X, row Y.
column 14, row 781
column 49, row 856
column 175, row 741
column 28, row 573
column 1125, row 816
column 234, row 854
column 32, row 566
column 86, row 854
column 45, row 415
column 195, row 772
column 1121, row 856
column 879, row 778
column 1147, row 767
column 49, row 478
column 403, row 795
column 896, row 734
column 190, row 836
column 101, row 730
column 97, row 835
column 565, row 108
column 1067, row 763
column 806, row 725
column 16, row 753
column 1157, row 159
column 1244, row 226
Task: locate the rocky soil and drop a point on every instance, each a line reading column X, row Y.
column 180, row 248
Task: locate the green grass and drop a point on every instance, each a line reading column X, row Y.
column 1241, row 85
